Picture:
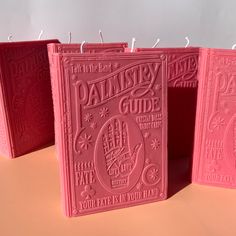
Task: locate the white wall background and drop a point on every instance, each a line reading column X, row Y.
column 210, row 23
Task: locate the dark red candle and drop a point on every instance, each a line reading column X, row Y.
column 111, row 112
column 25, row 94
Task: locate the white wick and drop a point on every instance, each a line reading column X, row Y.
column 156, row 43
column 234, row 46
column 9, row 38
column 133, row 43
column 40, row 35
column 81, row 47
column 187, row 42
column 69, row 37
column 101, row 36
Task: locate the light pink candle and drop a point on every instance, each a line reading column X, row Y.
column 215, row 133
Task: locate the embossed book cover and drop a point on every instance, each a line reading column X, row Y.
column 182, row 98
column 215, row 137
column 111, row 112
column 26, row 109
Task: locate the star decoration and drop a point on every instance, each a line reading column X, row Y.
column 218, row 122
column 154, row 175
column 104, row 112
column 155, row 144
column 85, row 141
column 88, row 117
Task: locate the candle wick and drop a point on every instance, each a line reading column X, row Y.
column 234, row 46
column 40, row 35
column 187, row 41
column 70, row 37
column 156, row 43
column 133, row 43
column 101, row 36
column 9, row 38
column 81, row 47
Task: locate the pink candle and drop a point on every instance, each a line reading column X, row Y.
column 111, row 111
column 215, row 136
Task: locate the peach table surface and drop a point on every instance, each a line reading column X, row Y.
column 30, row 206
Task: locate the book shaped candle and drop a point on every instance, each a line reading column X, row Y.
column 182, row 98
column 215, row 136
column 26, row 109
column 112, row 129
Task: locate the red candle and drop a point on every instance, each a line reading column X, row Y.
column 111, row 111
column 26, row 105
column 215, row 136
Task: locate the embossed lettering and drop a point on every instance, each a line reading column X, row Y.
column 129, row 105
column 140, row 78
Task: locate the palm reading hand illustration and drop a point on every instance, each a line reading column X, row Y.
column 120, row 157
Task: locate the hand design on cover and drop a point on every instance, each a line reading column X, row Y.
column 120, row 157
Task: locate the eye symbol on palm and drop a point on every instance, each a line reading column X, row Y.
column 120, row 157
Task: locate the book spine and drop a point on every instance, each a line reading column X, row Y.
column 201, row 102
column 6, row 142
column 61, row 131
column 53, row 77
